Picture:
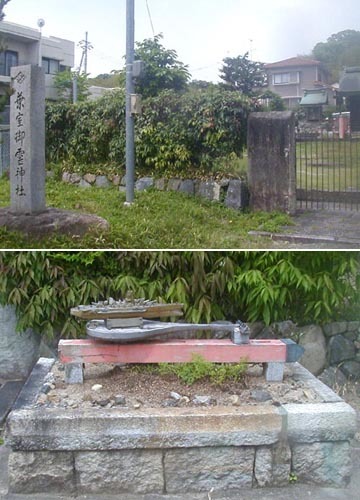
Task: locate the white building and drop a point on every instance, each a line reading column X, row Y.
column 23, row 45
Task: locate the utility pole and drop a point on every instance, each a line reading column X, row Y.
column 130, row 90
column 86, row 47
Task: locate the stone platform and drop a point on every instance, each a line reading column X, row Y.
column 52, row 220
column 167, row 451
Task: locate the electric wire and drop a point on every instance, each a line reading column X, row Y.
column 150, row 18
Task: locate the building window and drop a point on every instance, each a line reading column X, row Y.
column 51, row 66
column 286, row 78
column 8, row 59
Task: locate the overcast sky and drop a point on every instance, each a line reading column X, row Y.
column 202, row 32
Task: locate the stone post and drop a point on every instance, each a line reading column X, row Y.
column 27, row 140
column 271, row 150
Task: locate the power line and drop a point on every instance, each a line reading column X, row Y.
column 150, row 19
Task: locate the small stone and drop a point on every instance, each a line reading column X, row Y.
column 260, row 395
column 234, row 399
column 204, row 400
column 42, row 399
column 120, row 400
column 184, row 399
column 168, row 403
column 175, row 395
column 103, row 402
column 96, row 387
column 136, row 406
column 46, row 388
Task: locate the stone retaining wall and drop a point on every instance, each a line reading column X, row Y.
column 178, row 450
column 232, row 192
column 331, row 350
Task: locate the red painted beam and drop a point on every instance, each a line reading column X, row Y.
column 171, row 351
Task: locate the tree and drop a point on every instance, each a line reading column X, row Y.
column 340, row 50
column 2, row 5
column 241, row 74
column 163, row 70
column 63, row 83
column 109, row 80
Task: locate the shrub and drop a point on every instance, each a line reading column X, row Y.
column 176, row 134
column 267, row 286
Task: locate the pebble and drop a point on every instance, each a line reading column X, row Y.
column 169, row 403
column 120, row 400
column 260, row 395
column 42, row 398
column 234, row 399
column 176, row 396
column 46, row 388
column 96, row 387
column 204, row 400
column 136, row 406
column 103, row 402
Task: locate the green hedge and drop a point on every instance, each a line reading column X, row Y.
column 176, row 134
column 267, row 286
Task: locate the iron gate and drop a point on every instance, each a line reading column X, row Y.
column 328, row 171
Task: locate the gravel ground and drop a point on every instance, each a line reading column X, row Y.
column 135, row 387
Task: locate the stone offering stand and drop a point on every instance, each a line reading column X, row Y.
column 174, row 450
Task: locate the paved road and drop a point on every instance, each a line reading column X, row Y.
column 323, row 229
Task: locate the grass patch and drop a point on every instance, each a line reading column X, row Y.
column 199, row 369
column 328, row 165
column 157, row 219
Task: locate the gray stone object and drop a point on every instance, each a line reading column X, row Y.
column 210, row 190
column 165, row 451
column 271, row 150
column 237, row 195
column 340, row 349
column 18, row 350
column 187, row 186
column 102, row 181
column 27, row 140
column 144, row 183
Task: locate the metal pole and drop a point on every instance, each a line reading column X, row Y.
column 75, row 89
column 130, row 148
column 86, row 51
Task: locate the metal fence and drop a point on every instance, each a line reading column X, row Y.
column 328, row 171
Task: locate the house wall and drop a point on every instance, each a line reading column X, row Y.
column 307, row 76
column 26, row 42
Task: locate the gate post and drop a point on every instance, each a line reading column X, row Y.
column 272, row 160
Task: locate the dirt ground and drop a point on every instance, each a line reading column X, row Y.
column 133, row 387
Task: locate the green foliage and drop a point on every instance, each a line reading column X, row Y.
column 200, row 369
column 293, row 478
column 275, row 102
column 241, row 74
column 163, row 70
column 109, row 80
column 63, row 82
column 267, row 286
column 177, row 133
column 340, row 50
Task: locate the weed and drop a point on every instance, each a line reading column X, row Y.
column 199, row 369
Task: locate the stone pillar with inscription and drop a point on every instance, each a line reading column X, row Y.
column 27, row 140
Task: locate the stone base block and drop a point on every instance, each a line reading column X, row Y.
column 41, row 471
column 322, row 463
column 127, row 471
column 205, row 469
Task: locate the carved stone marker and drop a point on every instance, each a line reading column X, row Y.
column 27, row 140
column 271, row 150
